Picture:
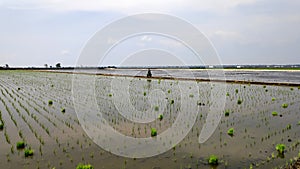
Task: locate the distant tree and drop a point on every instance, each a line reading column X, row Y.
column 58, row 65
column 46, row 65
column 6, row 65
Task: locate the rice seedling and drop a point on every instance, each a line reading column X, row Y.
column 63, row 110
column 1, row 125
column 172, row 101
column 284, row 105
column 230, row 131
column 153, row 132
column 84, row 166
column 274, row 113
column 160, row 117
column 239, row 101
column 50, row 102
column 280, row 148
column 213, row 160
column 20, row 145
column 28, row 152
column 227, row 112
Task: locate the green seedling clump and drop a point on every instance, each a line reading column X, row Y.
column 172, row 101
column 213, row 160
column 153, row 132
column 230, row 131
column 273, row 99
column 20, row 145
column 63, row 110
column 160, row 117
column 284, row 105
column 227, row 112
column 280, row 148
column 50, row 102
column 156, row 108
column 274, row 113
column 1, row 125
column 84, row 166
column 28, row 152
column 239, row 101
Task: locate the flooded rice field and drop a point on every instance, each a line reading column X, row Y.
column 132, row 122
column 247, row 75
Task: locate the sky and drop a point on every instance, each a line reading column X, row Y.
column 38, row 32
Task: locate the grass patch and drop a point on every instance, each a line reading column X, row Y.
column 274, row 113
column 213, row 160
column 20, row 145
column 84, row 166
column 284, row 105
column 280, row 148
column 28, row 152
column 153, row 132
column 230, row 131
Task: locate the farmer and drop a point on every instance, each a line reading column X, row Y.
column 149, row 73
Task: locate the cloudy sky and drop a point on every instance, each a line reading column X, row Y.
column 38, row 32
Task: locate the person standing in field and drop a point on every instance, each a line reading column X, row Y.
column 149, row 74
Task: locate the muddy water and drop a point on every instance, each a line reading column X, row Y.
column 256, row 134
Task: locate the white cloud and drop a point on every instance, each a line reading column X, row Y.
column 65, row 52
column 126, row 6
column 228, row 35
